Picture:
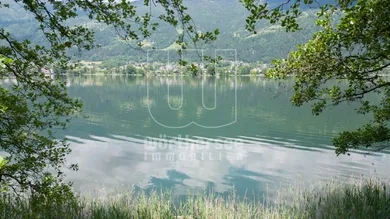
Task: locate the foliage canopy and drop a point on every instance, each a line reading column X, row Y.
column 35, row 105
column 355, row 50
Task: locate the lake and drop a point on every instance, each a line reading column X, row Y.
column 208, row 133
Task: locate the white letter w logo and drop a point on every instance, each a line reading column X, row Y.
column 178, row 101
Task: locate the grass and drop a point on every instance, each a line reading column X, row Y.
column 362, row 198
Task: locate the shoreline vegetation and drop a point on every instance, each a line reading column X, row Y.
column 224, row 68
column 360, row 198
column 159, row 68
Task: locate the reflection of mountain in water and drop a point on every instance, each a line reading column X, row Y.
column 119, row 105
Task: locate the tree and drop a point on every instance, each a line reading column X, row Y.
column 131, row 69
column 355, row 49
column 140, row 71
column 211, row 69
column 35, row 105
column 244, row 70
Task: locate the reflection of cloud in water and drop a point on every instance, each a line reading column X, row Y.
column 120, row 161
column 280, row 142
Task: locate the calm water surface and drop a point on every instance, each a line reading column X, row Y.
column 248, row 135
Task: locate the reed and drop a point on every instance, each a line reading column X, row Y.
column 361, row 198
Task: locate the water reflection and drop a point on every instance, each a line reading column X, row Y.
column 272, row 142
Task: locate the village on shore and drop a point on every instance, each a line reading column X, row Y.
column 160, row 68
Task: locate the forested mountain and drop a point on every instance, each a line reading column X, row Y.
column 270, row 42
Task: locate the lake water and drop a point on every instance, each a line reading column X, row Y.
column 212, row 133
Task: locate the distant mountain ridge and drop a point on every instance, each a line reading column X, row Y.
column 227, row 15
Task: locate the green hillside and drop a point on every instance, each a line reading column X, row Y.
column 228, row 16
